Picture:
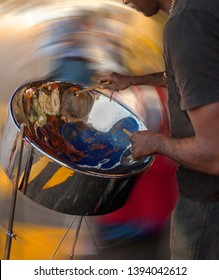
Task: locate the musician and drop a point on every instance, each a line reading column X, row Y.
column 191, row 54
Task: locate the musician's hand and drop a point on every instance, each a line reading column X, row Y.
column 144, row 143
column 116, row 81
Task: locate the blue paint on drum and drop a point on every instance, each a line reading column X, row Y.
column 103, row 149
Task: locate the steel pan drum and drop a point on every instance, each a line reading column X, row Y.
column 80, row 131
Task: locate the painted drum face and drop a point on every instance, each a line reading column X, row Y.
column 80, row 131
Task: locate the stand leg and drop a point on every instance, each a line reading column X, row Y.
column 9, row 233
column 76, row 236
column 63, row 237
column 27, row 170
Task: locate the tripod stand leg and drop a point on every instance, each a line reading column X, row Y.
column 76, row 236
column 9, row 233
column 22, row 187
column 63, row 237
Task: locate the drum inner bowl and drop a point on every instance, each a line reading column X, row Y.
column 81, row 131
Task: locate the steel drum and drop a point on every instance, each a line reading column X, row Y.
column 82, row 132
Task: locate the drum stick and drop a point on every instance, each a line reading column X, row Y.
column 89, row 88
column 127, row 132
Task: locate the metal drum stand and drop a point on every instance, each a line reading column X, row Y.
column 17, row 167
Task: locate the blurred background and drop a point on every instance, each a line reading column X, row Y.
column 79, row 41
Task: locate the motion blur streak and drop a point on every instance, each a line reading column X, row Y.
column 33, row 35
